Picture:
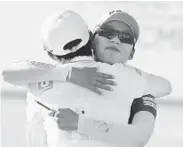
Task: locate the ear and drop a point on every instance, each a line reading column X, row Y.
column 94, row 47
column 93, row 44
column 93, row 50
column 132, row 54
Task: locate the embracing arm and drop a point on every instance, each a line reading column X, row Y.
column 25, row 72
column 136, row 134
column 157, row 86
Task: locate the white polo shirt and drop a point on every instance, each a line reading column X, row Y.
column 112, row 106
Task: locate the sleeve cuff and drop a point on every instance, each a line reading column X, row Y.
column 80, row 123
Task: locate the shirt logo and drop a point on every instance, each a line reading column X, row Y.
column 41, row 65
column 115, row 11
column 103, row 126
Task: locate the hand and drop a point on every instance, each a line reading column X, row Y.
column 67, row 119
column 91, row 79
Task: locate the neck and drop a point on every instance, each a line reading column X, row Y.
column 82, row 58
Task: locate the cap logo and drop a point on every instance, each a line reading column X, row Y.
column 115, row 11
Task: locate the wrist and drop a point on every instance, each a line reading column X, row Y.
column 80, row 123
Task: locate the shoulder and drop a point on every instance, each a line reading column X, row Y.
column 134, row 69
column 34, row 64
column 37, row 64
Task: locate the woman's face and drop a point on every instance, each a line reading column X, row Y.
column 113, row 42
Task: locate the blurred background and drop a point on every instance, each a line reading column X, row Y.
column 158, row 51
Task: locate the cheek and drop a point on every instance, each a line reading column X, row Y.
column 99, row 45
column 127, row 49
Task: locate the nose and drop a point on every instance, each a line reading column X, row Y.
column 115, row 40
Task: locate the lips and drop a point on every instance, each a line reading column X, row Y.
column 113, row 49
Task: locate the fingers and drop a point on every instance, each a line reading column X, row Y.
column 60, row 124
column 96, row 90
column 105, row 75
column 93, row 80
column 62, row 113
column 65, row 118
column 102, row 86
column 99, row 74
column 109, row 82
column 57, row 116
column 52, row 113
column 105, row 81
column 59, row 113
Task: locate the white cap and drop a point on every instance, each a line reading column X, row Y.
column 61, row 28
column 122, row 16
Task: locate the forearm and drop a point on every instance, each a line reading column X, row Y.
column 32, row 76
column 118, row 134
column 18, row 75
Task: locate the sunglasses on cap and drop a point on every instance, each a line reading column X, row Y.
column 109, row 33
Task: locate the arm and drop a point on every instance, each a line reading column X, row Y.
column 137, row 134
column 157, row 86
column 142, row 108
column 25, row 72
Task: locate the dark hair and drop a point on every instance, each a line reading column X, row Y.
column 132, row 52
column 83, row 51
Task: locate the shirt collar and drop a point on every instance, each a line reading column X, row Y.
column 82, row 59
